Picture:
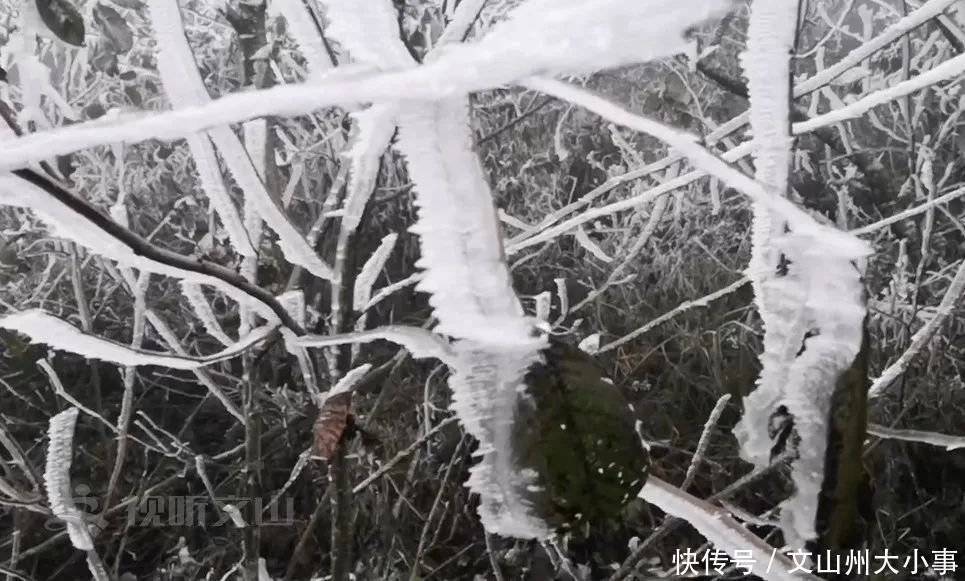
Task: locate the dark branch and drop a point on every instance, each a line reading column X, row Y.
column 142, row 247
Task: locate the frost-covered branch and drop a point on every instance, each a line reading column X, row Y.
column 681, row 308
column 57, row 481
column 718, row 527
column 49, row 330
column 945, row 441
column 72, row 217
column 807, row 288
column 184, row 84
column 921, row 338
column 564, row 36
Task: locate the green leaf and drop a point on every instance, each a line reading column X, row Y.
column 62, row 20
column 577, row 432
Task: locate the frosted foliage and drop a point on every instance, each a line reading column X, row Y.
column 482, row 333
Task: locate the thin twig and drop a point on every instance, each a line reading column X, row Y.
column 704, row 441
column 402, row 455
column 671, row 523
column 144, row 248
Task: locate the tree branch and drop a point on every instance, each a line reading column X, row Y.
column 142, row 247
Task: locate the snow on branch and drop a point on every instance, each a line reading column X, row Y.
column 924, row 437
column 808, row 287
column 471, row 293
column 921, row 338
column 376, row 125
column 420, row 342
column 779, row 296
column 723, row 531
column 838, row 242
column 202, row 309
column 561, row 36
column 44, row 328
column 460, row 239
column 300, row 23
column 60, row 451
column 369, row 31
column 184, row 85
column 953, row 68
column 204, row 378
column 926, row 12
column 370, row 272
column 72, row 218
column 212, row 182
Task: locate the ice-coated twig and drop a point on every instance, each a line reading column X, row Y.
column 71, row 217
column 945, row 441
column 718, row 527
column 681, row 308
column 59, row 390
column 203, row 376
column 202, row 309
column 563, row 39
column 183, row 82
column 49, row 330
column 370, row 272
column 921, row 338
column 57, row 481
column 420, row 342
column 402, row 455
column 704, row 440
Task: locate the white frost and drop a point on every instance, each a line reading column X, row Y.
column 61, row 335
column 807, row 286
column 60, row 451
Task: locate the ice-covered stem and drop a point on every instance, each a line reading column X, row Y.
column 139, row 290
column 921, row 338
column 808, row 288
column 834, row 315
column 74, row 216
column 778, row 290
column 204, row 378
column 472, row 296
column 465, row 271
column 47, row 329
column 718, row 527
column 183, row 81
column 57, row 481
